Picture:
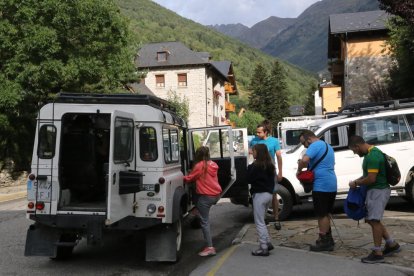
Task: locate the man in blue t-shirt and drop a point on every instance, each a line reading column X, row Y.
column 263, row 136
column 324, row 185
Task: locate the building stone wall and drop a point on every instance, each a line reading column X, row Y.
column 199, row 92
column 361, row 73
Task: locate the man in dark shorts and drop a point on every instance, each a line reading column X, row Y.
column 324, row 186
column 378, row 194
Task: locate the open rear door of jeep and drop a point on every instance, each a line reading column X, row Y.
column 229, row 149
column 123, row 180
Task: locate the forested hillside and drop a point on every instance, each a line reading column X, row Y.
column 152, row 23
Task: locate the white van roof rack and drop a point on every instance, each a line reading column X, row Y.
column 367, row 108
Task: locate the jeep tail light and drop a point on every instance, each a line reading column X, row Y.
column 32, row 176
column 161, row 180
column 40, row 205
column 160, row 209
column 30, row 205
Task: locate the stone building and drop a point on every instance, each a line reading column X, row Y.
column 171, row 67
column 359, row 59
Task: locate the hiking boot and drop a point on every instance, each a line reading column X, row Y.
column 373, row 258
column 389, row 250
column 328, row 235
column 270, row 246
column 277, row 225
column 324, row 243
column 208, row 251
column 261, row 252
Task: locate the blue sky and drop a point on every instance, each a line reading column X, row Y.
column 247, row 12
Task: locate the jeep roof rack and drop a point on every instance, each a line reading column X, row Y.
column 138, row 99
column 367, row 108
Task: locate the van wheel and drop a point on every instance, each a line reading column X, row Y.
column 65, row 251
column 285, row 202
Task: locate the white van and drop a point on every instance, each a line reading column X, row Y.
column 290, row 128
column 115, row 162
column 388, row 125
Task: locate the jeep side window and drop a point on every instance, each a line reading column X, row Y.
column 382, row 130
column 337, row 136
column 410, row 120
column 171, row 145
column 47, row 142
column 148, row 144
column 404, row 133
column 123, row 143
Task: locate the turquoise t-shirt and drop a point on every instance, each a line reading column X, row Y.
column 272, row 144
column 325, row 177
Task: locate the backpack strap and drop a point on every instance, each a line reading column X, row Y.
column 320, row 159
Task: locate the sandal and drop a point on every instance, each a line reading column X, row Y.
column 277, row 225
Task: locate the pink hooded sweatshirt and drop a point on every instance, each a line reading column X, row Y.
column 206, row 183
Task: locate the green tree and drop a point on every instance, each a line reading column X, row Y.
column 180, row 105
column 276, row 99
column 50, row 46
column 401, row 44
column 249, row 120
column 258, row 88
column 310, row 99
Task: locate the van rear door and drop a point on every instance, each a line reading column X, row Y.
column 123, row 180
column 229, row 149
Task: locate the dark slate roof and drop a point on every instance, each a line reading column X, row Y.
column 357, row 22
column 141, row 88
column 222, row 66
column 178, row 54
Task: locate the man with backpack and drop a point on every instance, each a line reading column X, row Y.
column 378, row 194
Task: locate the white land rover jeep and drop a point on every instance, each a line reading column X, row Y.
column 388, row 125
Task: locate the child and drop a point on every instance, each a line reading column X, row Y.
column 208, row 190
column 261, row 176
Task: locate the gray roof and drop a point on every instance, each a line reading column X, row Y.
column 222, row 66
column 178, row 54
column 357, row 22
column 141, row 88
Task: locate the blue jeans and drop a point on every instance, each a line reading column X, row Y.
column 204, row 204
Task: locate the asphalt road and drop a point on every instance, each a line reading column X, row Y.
column 121, row 254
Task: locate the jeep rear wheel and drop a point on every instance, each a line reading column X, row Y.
column 409, row 190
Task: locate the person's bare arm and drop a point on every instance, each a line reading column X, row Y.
column 279, row 165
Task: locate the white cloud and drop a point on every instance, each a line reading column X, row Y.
column 247, row 12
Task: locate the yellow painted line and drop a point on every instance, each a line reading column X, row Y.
column 221, row 261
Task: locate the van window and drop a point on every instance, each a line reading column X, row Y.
column 148, row 144
column 47, row 142
column 410, row 120
column 292, row 137
column 170, row 145
column 381, row 130
column 123, row 143
column 405, row 135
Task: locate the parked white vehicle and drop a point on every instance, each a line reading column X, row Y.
column 116, row 162
column 388, row 125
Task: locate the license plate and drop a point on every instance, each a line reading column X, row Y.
column 44, row 190
column 147, row 187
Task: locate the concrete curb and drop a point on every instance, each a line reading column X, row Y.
column 238, row 239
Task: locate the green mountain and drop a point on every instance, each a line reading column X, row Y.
column 151, row 22
column 305, row 43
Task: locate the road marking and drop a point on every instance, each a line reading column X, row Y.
column 222, row 259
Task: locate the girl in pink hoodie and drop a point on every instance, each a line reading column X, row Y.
column 208, row 189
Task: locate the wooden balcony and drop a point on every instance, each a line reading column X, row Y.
column 230, row 107
column 228, row 88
